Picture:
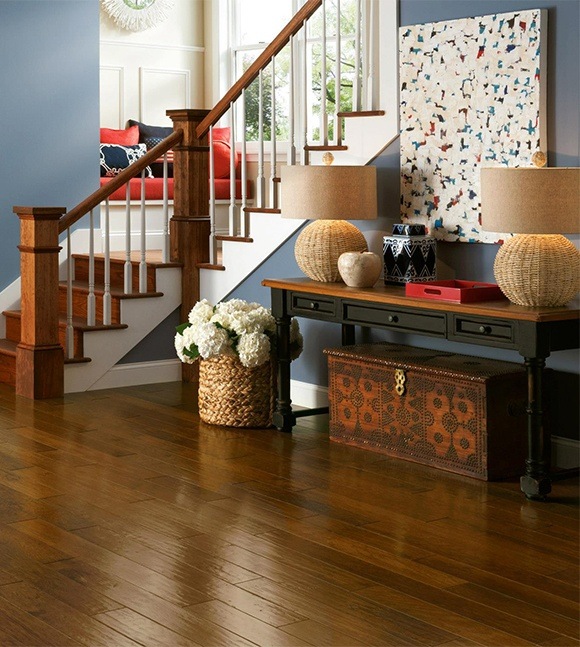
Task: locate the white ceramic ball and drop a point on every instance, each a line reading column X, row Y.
column 360, row 269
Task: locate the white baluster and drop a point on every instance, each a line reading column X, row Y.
column 261, row 180
column 128, row 268
column 143, row 240
column 337, row 125
column 371, row 103
column 323, row 111
column 70, row 333
column 291, row 113
column 232, row 211
column 212, row 239
column 273, row 190
column 306, row 87
column 107, row 269
column 356, row 83
column 91, row 317
column 165, row 210
column 244, row 172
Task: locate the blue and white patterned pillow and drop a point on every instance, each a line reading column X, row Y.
column 116, row 158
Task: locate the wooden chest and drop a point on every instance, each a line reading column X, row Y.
column 455, row 412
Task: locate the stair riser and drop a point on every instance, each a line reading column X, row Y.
column 117, row 273
column 8, row 370
column 80, row 305
column 13, row 334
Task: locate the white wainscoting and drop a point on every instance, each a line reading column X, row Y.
column 160, row 88
column 112, row 80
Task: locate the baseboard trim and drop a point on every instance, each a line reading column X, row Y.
column 131, row 374
column 565, row 452
column 308, row 395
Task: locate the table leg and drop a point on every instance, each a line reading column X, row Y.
column 536, row 484
column 348, row 335
column 283, row 418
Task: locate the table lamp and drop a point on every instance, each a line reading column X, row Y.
column 330, row 196
column 538, row 266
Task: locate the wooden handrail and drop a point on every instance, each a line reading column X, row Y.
column 252, row 72
column 118, row 181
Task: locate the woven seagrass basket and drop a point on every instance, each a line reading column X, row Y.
column 233, row 395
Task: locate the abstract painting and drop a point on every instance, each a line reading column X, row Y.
column 472, row 95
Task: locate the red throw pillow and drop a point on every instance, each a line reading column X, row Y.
column 221, row 153
column 127, row 137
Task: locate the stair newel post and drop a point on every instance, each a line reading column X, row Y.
column 39, row 355
column 190, row 224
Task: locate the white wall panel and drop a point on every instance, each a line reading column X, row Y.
column 112, row 86
column 160, row 88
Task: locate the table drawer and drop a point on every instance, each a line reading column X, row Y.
column 479, row 330
column 305, row 305
column 432, row 323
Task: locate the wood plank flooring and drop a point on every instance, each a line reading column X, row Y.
column 126, row 521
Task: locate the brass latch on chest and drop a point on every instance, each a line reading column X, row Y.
column 400, row 379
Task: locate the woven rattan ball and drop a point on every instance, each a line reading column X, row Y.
column 538, row 270
column 321, row 243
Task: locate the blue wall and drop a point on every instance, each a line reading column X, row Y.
column 49, row 111
column 462, row 260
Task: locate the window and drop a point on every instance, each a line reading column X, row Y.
column 254, row 24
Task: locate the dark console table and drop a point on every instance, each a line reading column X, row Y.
column 533, row 332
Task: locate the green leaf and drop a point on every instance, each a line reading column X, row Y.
column 182, row 327
column 191, row 352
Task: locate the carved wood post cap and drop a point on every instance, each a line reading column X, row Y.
column 187, row 115
column 40, row 213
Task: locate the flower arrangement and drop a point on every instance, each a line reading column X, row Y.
column 234, row 328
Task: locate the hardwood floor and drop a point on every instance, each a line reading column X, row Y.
column 126, row 521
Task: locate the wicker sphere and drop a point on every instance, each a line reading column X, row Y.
column 321, row 243
column 538, row 270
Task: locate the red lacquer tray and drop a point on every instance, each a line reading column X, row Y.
column 456, row 291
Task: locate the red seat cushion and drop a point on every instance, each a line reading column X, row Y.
column 154, row 189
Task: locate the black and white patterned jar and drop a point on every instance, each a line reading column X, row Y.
column 409, row 255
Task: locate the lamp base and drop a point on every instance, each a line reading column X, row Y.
column 538, row 270
column 321, row 243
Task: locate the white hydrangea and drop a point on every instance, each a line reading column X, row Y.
column 254, row 349
column 179, row 348
column 257, row 320
column 213, row 341
column 201, row 312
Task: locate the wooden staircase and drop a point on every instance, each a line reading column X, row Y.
column 80, row 287
column 198, row 261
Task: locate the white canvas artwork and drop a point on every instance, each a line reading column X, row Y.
column 472, row 95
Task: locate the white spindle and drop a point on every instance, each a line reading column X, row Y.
column 273, row 190
column 305, row 93
column 91, row 310
column 128, row 269
column 70, row 335
column 291, row 113
column 143, row 240
column 371, row 56
column 232, row 211
column 244, row 171
column 356, row 82
column 261, row 180
column 323, row 111
column 337, row 127
column 107, row 268
column 165, row 210
column 212, row 239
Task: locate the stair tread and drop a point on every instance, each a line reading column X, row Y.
column 261, row 210
column 152, row 258
column 362, row 113
column 326, row 147
column 115, row 292
column 210, row 266
column 236, row 239
column 8, row 347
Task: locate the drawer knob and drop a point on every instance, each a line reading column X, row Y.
column 392, row 318
column 485, row 330
column 314, row 305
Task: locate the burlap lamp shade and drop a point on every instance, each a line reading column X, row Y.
column 538, row 266
column 330, row 196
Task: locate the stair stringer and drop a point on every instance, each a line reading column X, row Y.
column 269, row 231
column 107, row 347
